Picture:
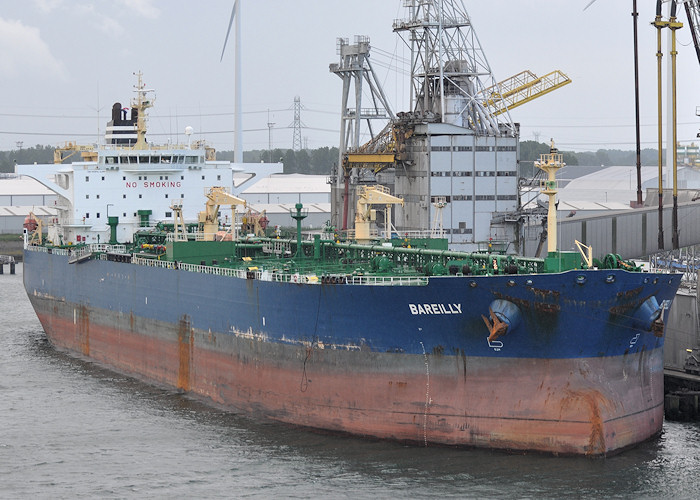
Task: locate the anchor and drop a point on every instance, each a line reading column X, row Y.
column 496, row 326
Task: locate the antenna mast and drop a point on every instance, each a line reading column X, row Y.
column 141, row 104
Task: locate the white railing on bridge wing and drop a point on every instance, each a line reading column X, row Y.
column 55, row 251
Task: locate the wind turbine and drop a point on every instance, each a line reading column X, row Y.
column 238, row 130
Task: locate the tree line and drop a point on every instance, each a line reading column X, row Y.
column 313, row 161
column 25, row 156
column 322, row 160
column 318, row 161
column 530, row 152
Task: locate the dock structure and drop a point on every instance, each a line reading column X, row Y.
column 7, row 259
column 682, row 395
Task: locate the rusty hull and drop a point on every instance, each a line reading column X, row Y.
column 584, row 406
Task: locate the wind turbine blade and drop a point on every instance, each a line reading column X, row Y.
column 228, row 32
column 589, row 4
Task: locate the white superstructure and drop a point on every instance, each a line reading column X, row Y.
column 127, row 183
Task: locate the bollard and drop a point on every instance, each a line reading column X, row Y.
column 12, row 268
column 2, row 266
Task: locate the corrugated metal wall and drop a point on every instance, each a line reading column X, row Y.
column 631, row 233
column 681, row 330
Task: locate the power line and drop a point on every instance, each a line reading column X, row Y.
column 162, row 134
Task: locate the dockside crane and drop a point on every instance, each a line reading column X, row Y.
column 209, row 218
column 366, row 197
column 62, row 153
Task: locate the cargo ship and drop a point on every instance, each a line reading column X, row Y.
column 398, row 338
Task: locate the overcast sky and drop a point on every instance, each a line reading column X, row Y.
column 64, row 62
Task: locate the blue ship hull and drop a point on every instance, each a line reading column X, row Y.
column 579, row 370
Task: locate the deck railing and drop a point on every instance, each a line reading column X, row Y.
column 282, row 277
column 100, row 251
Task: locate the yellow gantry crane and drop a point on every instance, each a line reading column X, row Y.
column 521, row 88
column 383, row 151
column 366, row 197
column 87, row 153
column 209, row 218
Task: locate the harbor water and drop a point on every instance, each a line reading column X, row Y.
column 71, row 429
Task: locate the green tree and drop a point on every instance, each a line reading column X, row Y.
column 569, row 158
column 530, row 152
column 303, row 161
column 290, row 162
column 323, row 160
column 602, row 158
column 25, row 156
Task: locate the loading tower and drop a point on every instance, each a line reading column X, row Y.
column 449, row 69
column 355, row 69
